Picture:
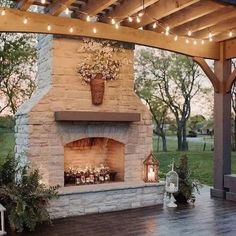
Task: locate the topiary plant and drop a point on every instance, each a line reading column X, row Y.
column 25, row 197
column 187, row 184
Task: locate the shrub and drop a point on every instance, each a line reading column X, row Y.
column 24, row 196
column 187, row 184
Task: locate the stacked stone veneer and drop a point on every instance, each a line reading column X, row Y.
column 40, row 140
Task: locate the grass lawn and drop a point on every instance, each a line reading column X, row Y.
column 200, row 161
column 7, row 143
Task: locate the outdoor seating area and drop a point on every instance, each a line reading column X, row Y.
column 91, row 89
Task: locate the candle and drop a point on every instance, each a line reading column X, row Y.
column 151, row 175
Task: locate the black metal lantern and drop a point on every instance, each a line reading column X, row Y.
column 151, row 167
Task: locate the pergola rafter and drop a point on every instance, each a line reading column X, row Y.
column 24, row 5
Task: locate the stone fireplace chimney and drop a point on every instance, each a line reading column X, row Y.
column 52, row 144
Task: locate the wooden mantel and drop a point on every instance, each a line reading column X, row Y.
column 97, row 116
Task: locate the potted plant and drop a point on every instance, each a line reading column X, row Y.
column 100, row 65
column 187, row 184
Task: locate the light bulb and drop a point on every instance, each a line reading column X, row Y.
column 203, row 42
column 189, row 33
column 195, row 42
column 94, row 30
column 210, row 39
column 25, row 21
column 67, row 11
column 187, row 41
column 138, row 19
column 3, row 13
column 117, row 26
column 210, row 35
column 43, row 1
column 88, row 19
column 230, row 34
column 154, row 25
column 113, row 21
column 140, row 14
column 130, row 19
column 49, row 27
column 176, row 38
column 168, row 28
column 71, row 30
column 140, row 28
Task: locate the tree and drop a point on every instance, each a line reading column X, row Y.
column 195, row 121
column 176, row 80
column 17, row 68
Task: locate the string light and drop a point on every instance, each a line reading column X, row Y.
column 140, row 28
column 140, row 14
column 154, row 25
column 88, row 18
column 189, row 33
column 167, row 30
column 67, row 11
column 230, row 34
column 138, row 19
column 49, row 28
column 94, row 30
column 113, row 21
column 117, row 26
column 3, row 13
column 25, row 21
column 195, row 42
column 202, row 41
column 71, row 30
column 130, row 19
column 187, row 40
column 43, row 1
column 176, row 38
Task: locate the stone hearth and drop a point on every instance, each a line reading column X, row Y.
column 51, row 145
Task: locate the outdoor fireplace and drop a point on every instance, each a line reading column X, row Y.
column 63, row 134
column 93, row 161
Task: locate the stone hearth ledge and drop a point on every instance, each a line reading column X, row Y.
column 70, row 190
column 91, row 199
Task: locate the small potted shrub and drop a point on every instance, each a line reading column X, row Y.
column 187, row 184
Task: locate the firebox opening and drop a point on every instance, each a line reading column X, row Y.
column 93, row 161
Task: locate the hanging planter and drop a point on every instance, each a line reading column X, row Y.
column 97, row 87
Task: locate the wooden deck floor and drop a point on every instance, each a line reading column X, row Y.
column 208, row 217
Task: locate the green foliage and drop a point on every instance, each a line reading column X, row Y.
column 187, row 184
column 195, row 121
column 7, row 123
column 24, row 196
column 17, row 69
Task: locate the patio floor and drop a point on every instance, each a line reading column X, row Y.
column 207, row 217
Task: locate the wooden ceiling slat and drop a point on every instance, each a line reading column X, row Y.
column 206, row 21
column 57, row 7
column 217, row 29
column 93, row 7
column 190, row 13
column 159, row 10
column 127, row 8
column 24, row 5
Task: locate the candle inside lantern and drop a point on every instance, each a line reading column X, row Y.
column 151, row 175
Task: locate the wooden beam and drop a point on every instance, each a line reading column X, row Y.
column 97, row 116
column 188, row 14
column 217, row 29
column 38, row 23
column 57, row 7
column 93, row 7
column 24, row 5
column 205, row 21
column 230, row 48
column 230, row 80
column 127, row 8
column 209, row 73
column 161, row 9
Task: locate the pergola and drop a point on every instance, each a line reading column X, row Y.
column 202, row 29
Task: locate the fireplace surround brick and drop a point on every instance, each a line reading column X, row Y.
column 40, row 140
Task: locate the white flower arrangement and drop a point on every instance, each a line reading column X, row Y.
column 100, row 60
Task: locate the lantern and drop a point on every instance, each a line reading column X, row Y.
column 172, row 185
column 151, row 166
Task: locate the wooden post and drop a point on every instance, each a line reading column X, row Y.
column 222, row 126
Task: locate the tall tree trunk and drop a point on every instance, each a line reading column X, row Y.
column 234, row 135
column 179, row 138
column 184, row 140
column 164, row 145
